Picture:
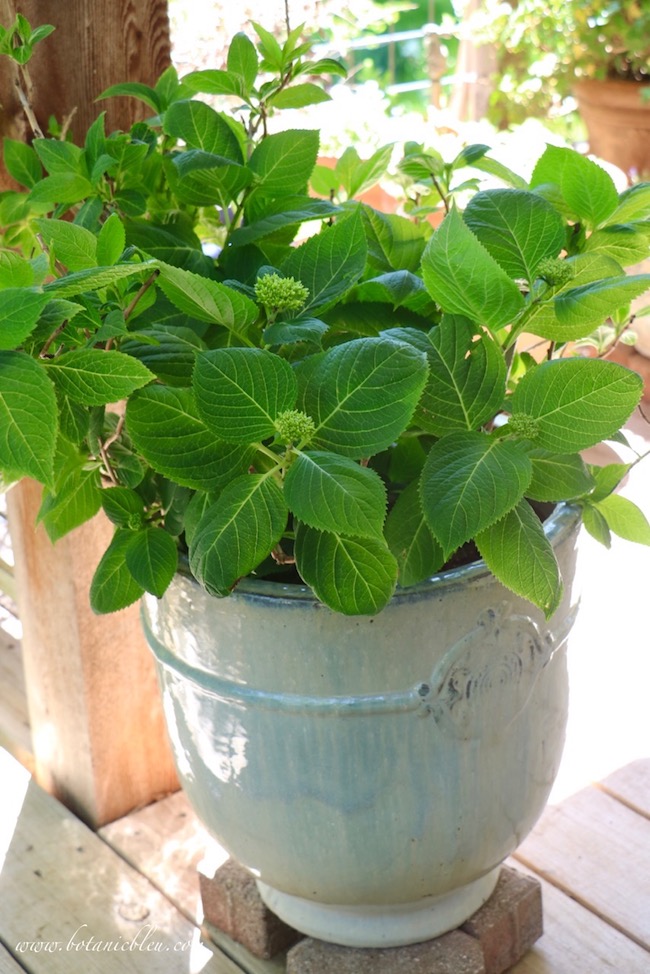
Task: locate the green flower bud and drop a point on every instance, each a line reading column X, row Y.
column 523, row 425
column 554, row 271
column 294, row 426
column 277, row 293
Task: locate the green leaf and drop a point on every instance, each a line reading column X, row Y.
column 95, row 377
column 596, row 525
column 302, row 209
column 152, row 559
column 366, row 173
column 168, row 88
column 352, row 576
column 464, row 279
column 28, row 418
column 165, row 428
column 580, row 309
column 624, row 518
column 330, row 263
column 607, row 479
column 73, row 246
column 200, row 127
column 207, row 300
column 113, row 586
column 502, row 172
column 576, row 403
column 517, row 228
column 401, row 289
column 623, row 242
column 240, row 392
column 215, row 81
column 170, row 353
column 243, row 60
column 298, row 96
column 170, row 244
column 237, row 532
column 76, row 500
column 362, row 394
column 60, row 156
column 62, row 187
column 325, row 65
column 588, row 191
column 301, row 329
column 205, row 179
column 410, row 539
column 15, row 271
column 333, row 493
column 22, row 163
column 283, row 162
column 123, row 507
column 269, row 48
column 541, row 318
column 93, row 279
column 633, row 205
column 394, row 242
column 558, row 477
column 19, row 312
column 467, row 379
column 74, row 421
column 111, row 241
column 517, row 551
column 468, row 482
column 134, row 89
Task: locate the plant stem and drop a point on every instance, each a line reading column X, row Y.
column 143, row 290
column 104, row 447
column 53, row 337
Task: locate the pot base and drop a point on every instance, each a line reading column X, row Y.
column 390, row 925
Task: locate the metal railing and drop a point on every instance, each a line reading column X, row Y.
column 431, row 36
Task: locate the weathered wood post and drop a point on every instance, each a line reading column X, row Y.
column 98, row 732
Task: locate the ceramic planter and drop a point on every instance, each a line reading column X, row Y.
column 372, row 772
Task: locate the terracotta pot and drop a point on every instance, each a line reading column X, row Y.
column 618, row 122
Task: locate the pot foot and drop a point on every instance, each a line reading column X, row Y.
column 390, row 925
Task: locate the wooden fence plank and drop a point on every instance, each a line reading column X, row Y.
column 98, row 733
column 598, row 851
column 62, row 886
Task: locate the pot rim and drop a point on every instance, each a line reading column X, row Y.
column 560, row 523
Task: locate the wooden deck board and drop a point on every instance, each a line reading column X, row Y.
column 7, row 964
column 576, row 941
column 165, row 842
column 597, row 849
column 61, row 885
column 14, row 718
column 631, row 785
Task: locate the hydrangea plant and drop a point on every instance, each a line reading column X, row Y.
column 340, row 396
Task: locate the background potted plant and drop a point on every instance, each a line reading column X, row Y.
column 315, row 425
column 599, row 53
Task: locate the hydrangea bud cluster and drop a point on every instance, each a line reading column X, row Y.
column 280, row 294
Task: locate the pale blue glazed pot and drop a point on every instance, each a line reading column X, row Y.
column 372, row 772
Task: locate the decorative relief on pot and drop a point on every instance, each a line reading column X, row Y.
column 493, row 669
